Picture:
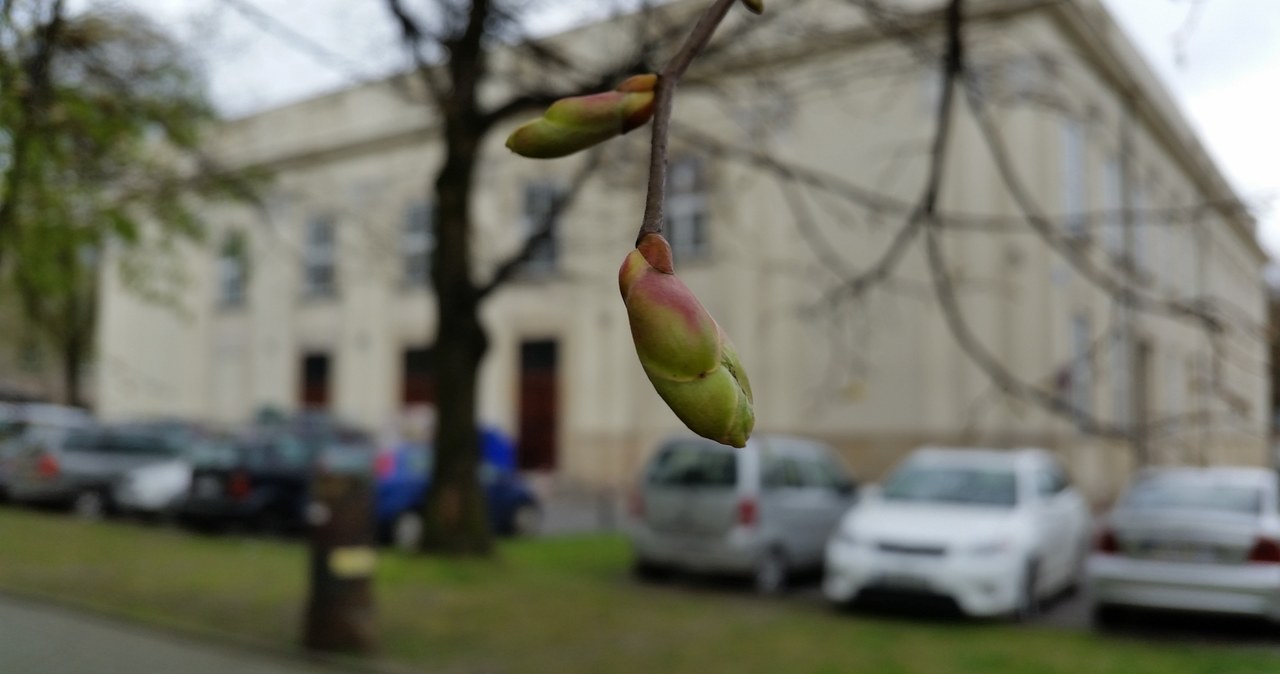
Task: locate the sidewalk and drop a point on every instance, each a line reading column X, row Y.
column 37, row 639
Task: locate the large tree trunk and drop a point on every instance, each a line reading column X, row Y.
column 455, row 515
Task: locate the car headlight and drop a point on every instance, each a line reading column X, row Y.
column 989, row 548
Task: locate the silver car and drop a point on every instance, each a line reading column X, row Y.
column 1196, row 539
column 765, row 510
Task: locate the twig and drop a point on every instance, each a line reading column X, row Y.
column 664, row 97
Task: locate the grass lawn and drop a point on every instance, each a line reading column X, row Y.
column 560, row 605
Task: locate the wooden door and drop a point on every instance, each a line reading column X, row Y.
column 314, row 393
column 539, row 406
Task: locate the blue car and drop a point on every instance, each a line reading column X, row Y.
column 404, row 475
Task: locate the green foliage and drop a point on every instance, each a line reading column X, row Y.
column 101, row 116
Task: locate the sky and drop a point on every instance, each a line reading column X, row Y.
column 1219, row 58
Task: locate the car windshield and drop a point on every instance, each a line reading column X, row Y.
column 282, row 452
column 1187, row 493
column 694, row 465
column 953, row 484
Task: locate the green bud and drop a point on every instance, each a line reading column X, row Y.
column 689, row 360
column 577, row 123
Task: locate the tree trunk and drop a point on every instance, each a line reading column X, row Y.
column 455, row 515
column 72, row 371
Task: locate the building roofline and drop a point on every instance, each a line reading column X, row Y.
column 1118, row 61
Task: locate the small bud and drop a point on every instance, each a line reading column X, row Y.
column 756, row 6
column 687, row 357
column 574, row 124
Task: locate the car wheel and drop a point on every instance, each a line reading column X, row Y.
column 1106, row 616
column 406, row 531
column 526, row 520
column 771, row 572
column 1028, row 595
column 648, row 571
column 89, row 505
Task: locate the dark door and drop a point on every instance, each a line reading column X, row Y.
column 419, row 377
column 539, row 411
column 315, row 381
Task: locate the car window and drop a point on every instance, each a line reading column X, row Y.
column 693, row 465
column 137, row 444
column 823, row 473
column 1051, row 480
column 952, row 484
column 1192, row 493
column 781, row 472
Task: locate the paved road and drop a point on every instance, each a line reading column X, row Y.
column 37, row 639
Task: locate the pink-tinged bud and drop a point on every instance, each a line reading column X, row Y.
column 756, row 6
column 688, row 358
column 573, row 124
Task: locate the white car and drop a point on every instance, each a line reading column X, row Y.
column 154, row 488
column 1197, row 539
column 992, row 531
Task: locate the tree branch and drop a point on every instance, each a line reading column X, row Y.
column 664, row 99
column 543, row 229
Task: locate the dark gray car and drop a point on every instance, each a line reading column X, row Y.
column 82, row 469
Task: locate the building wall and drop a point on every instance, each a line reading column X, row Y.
column 877, row 376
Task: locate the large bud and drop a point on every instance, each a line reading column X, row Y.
column 686, row 355
column 573, row 124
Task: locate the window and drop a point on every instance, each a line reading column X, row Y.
column 1051, row 480
column 540, row 203
column 417, row 242
column 1073, row 178
column 1121, row 376
column 782, row 473
column 1138, row 245
column 232, row 271
column 1113, row 205
column 319, row 273
column 694, row 464
column 1081, row 365
column 686, row 209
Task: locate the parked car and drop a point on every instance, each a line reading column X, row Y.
column 765, row 510
column 29, row 428
column 404, row 476
column 1194, row 539
column 993, row 532
column 261, row 480
column 155, row 489
column 82, row 467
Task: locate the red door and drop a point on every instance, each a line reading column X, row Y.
column 419, row 382
column 314, row 393
column 539, row 412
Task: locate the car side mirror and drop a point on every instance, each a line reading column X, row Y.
column 846, row 489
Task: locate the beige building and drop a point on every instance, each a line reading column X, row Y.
column 321, row 298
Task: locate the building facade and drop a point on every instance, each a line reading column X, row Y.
column 321, row 298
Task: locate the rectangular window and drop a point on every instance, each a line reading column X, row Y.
column 687, row 209
column 232, row 271
column 1113, row 205
column 540, row 203
column 1138, row 243
column 1121, row 376
column 418, row 240
column 319, row 272
column 1074, row 196
column 1081, row 365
